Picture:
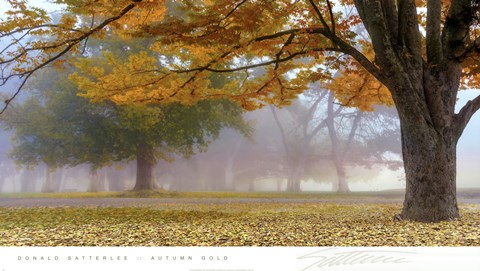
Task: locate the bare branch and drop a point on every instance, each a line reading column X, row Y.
column 463, row 117
column 70, row 44
column 38, row 27
column 7, row 102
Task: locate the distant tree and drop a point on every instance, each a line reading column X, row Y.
column 58, row 128
column 319, row 129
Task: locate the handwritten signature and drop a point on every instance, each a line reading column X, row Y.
column 332, row 257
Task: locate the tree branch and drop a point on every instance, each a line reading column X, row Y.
column 409, row 33
column 332, row 19
column 434, row 41
column 262, row 64
column 70, row 44
column 371, row 13
column 319, row 14
column 391, row 13
column 353, row 132
column 463, row 117
column 455, row 34
column 38, row 27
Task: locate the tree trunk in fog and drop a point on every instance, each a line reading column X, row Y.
column 251, row 185
column 115, row 181
column 59, row 179
column 229, row 168
column 294, row 179
column 279, row 185
column 145, row 163
column 97, row 183
column 28, row 180
column 49, row 185
column 2, row 182
column 229, row 175
column 342, row 184
column 337, row 158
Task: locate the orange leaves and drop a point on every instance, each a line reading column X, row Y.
column 266, row 51
column 360, row 89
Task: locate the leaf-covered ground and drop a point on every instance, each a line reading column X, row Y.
column 266, row 224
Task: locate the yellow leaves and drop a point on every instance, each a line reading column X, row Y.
column 360, row 90
column 355, row 87
column 234, row 224
column 195, row 38
column 68, row 20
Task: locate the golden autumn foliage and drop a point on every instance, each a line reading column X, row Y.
column 360, row 90
column 355, row 87
column 268, row 50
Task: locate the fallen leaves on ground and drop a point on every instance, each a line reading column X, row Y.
column 246, row 224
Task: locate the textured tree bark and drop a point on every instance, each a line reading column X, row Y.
column 430, row 167
column 145, row 163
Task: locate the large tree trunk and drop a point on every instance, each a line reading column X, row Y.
column 429, row 139
column 424, row 92
column 145, row 163
column 430, row 167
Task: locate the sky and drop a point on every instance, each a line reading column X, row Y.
column 468, row 160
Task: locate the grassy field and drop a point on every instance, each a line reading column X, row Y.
column 239, row 224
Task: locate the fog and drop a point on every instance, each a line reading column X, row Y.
column 234, row 162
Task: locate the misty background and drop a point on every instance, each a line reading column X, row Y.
column 260, row 163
